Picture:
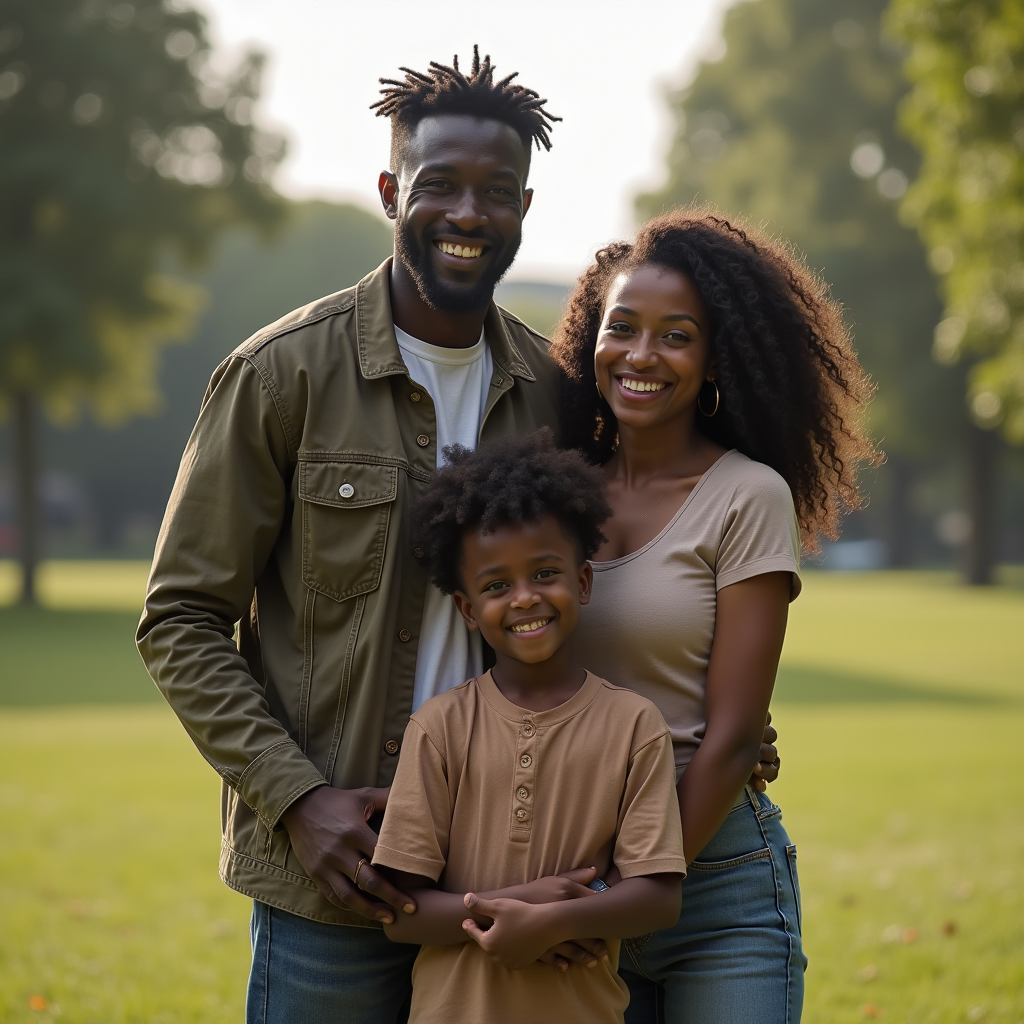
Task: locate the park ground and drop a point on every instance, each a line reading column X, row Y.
column 900, row 705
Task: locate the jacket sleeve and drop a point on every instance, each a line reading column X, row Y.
column 222, row 522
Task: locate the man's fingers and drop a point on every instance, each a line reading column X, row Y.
column 370, row 881
column 342, row 893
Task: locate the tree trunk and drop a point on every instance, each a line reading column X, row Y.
column 26, row 470
column 901, row 522
column 982, row 459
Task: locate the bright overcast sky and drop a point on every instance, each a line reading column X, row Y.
column 603, row 64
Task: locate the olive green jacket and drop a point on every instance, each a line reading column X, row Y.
column 288, row 518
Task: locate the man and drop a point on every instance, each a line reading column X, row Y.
column 288, row 518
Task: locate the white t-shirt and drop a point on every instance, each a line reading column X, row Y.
column 458, row 380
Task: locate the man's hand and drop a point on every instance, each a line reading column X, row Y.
column 767, row 769
column 330, row 835
column 520, row 934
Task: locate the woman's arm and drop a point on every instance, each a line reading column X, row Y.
column 521, row 932
column 750, row 626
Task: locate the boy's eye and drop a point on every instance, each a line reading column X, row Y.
column 546, row 574
column 495, row 586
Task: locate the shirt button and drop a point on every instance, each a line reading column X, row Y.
column 521, row 814
column 391, row 746
column 346, row 490
column 527, row 729
column 423, row 440
column 526, row 760
column 417, row 552
column 522, row 792
column 414, row 397
column 404, row 635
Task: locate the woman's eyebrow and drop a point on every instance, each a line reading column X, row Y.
column 682, row 316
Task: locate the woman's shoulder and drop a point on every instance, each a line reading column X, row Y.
column 625, row 705
column 737, row 477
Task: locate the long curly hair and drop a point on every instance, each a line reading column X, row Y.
column 792, row 392
column 511, row 480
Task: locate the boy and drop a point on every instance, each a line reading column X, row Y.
column 533, row 769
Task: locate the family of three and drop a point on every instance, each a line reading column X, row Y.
column 480, row 632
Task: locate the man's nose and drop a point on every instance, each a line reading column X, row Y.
column 466, row 213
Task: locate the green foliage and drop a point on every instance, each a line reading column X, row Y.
column 121, row 151
column 966, row 113
column 794, row 128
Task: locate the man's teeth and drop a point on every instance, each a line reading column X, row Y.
column 466, row 252
column 529, row 627
column 642, row 385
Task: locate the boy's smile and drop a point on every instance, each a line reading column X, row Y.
column 524, row 586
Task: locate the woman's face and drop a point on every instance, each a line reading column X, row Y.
column 653, row 348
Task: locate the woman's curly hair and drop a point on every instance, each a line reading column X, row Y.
column 512, row 480
column 792, row 391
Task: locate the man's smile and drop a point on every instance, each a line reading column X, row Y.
column 465, row 252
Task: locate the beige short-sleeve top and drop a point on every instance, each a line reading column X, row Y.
column 488, row 794
column 651, row 619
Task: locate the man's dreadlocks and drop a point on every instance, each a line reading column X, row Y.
column 447, row 90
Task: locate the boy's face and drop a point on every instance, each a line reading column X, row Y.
column 523, row 588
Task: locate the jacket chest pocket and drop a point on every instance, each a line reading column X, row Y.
column 346, row 509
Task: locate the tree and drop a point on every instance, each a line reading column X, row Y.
column 795, row 126
column 122, row 154
column 965, row 111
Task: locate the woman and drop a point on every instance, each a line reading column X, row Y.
column 712, row 377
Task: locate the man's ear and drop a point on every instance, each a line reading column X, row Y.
column 387, row 186
column 527, row 199
column 586, row 582
column 465, row 607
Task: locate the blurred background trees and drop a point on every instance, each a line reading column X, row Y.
column 965, row 112
column 122, row 155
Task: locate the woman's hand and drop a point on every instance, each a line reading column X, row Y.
column 520, row 935
column 769, row 763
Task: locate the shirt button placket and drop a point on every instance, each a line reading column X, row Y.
column 525, row 781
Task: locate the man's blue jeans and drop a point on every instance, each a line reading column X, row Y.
column 735, row 954
column 309, row 973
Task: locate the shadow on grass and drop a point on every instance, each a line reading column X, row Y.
column 821, row 686
column 49, row 658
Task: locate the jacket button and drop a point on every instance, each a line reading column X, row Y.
column 526, row 760
column 391, row 746
column 404, row 635
column 423, row 440
column 417, row 552
column 414, row 397
column 346, row 490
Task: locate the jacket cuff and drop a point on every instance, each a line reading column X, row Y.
column 276, row 779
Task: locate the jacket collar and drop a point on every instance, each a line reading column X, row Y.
column 379, row 354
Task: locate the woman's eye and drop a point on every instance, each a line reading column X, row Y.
column 619, row 327
column 677, row 336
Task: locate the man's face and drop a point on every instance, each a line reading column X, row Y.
column 458, row 202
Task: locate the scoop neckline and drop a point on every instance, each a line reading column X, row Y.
column 622, row 559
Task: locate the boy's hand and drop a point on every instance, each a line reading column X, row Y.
column 570, row 885
column 586, row 952
column 329, row 832
column 519, row 935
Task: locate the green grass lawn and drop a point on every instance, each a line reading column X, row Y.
column 901, row 708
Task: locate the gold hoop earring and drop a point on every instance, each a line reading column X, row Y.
column 708, row 415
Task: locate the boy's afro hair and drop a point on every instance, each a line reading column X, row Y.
column 508, row 481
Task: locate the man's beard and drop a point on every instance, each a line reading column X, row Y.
column 442, row 295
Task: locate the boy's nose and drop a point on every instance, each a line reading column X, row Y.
column 524, row 597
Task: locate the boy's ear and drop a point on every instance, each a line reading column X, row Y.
column 465, row 607
column 586, row 582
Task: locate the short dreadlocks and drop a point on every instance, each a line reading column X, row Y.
column 447, row 90
column 509, row 481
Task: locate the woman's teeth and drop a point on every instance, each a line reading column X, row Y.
column 529, row 627
column 642, row 385
column 466, row 252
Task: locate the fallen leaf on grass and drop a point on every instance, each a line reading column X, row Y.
column 38, row 1003
column 908, row 936
column 962, row 890
column 892, row 933
column 950, row 928
column 868, row 973
column 76, row 908
column 976, row 1013
column 869, row 1010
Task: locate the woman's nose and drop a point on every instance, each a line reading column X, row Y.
column 641, row 353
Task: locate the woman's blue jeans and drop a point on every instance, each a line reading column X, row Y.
column 735, row 954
